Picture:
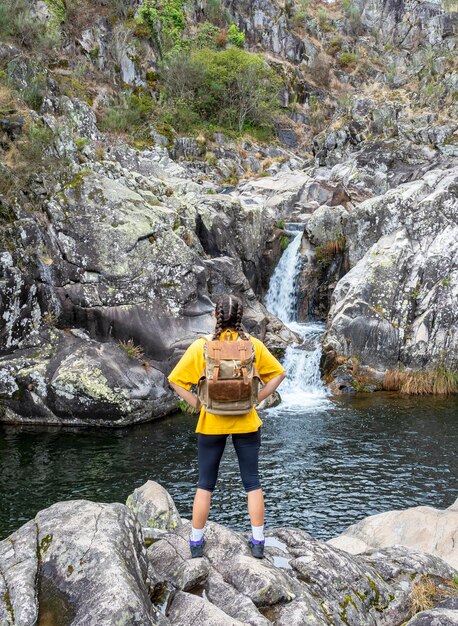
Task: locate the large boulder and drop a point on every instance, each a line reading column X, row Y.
column 422, row 528
column 77, row 562
column 68, row 378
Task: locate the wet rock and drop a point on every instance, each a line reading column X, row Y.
column 422, row 528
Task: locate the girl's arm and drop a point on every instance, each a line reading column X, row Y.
column 186, row 395
column 270, row 386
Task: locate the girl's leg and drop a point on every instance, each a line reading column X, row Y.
column 256, row 507
column 210, row 449
column 247, row 448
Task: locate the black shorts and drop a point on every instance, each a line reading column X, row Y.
column 210, row 451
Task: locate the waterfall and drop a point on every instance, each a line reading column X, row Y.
column 303, row 386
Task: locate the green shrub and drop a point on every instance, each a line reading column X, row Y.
column 166, row 21
column 206, row 36
column 235, row 36
column 323, row 20
column 18, row 23
column 132, row 350
column 284, row 242
column 231, row 88
column 34, row 93
column 126, row 113
column 348, row 59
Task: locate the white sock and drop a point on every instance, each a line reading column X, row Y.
column 196, row 533
column 257, row 532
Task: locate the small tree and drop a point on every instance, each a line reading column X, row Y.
column 232, row 87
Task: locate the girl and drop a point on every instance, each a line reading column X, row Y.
column 213, row 429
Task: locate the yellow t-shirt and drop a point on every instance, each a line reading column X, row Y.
column 189, row 368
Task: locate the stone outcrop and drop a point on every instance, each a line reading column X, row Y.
column 130, row 250
column 77, row 562
column 85, row 563
column 423, row 528
column 398, row 303
column 154, row 508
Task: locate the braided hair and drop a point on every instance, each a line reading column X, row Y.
column 229, row 313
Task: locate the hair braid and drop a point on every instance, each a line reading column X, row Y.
column 229, row 313
column 238, row 321
column 219, row 320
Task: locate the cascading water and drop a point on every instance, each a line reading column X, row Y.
column 303, row 386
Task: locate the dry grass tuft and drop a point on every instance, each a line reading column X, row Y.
column 439, row 381
column 425, row 594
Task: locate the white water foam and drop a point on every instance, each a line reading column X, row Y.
column 303, row 387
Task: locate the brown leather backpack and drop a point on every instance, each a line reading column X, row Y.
column 230, row 381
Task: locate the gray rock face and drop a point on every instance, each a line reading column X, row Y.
column 130, row 250
column 77, row 561
column 302, row 581
column 398, row 303
column 425, row 528
column 154, row 508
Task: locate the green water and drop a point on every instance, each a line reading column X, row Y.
column 322, row 467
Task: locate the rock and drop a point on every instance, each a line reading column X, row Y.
column 422, row 528
column 186, row 147
column 190, row 609
column 85, row 563
column 69, row 380
column 79, row 561
column 398, row 302
column 300, row 581
column 154, row 509
column 435, row 617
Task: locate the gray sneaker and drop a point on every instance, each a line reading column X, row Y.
column 257, row 547
column 197, row 548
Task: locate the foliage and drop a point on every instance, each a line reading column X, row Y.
column 235, row 36
column 19, row 24
column 34, row 93
column 166, row 21
column 126, row 113
column 284, row 242
column 207, row 36
column 348, row 59
column 232, row 88
column 133, row 351
column 353, row 14
column 323, row 20
column 186, row 408
column 280, row 224
column 216, row 14
column 326, row 252
column 32, row 157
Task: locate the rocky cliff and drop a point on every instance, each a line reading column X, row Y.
column 118, row 230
